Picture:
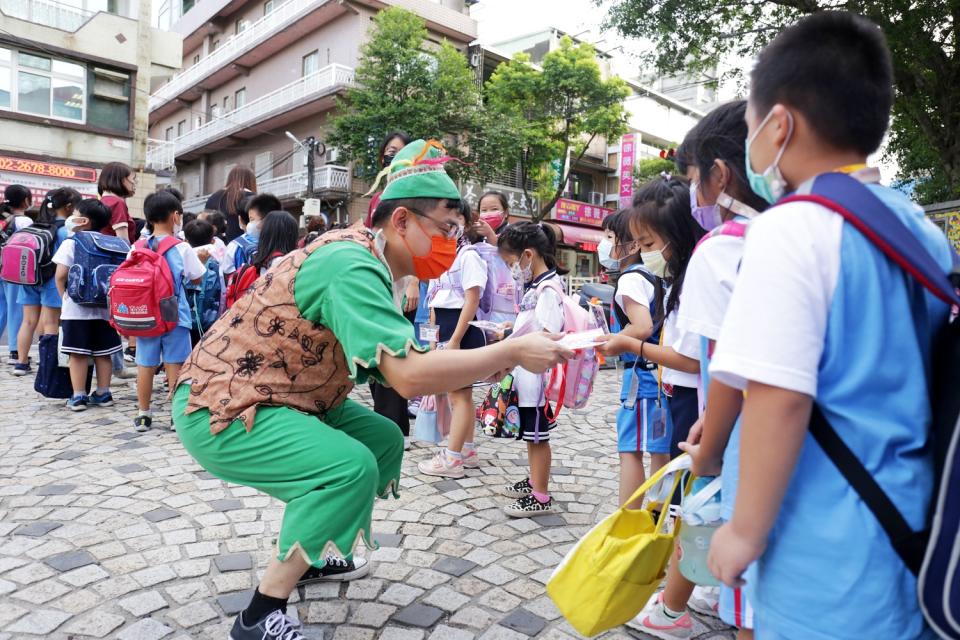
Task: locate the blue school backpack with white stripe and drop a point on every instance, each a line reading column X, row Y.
column 247, row 246
column 931, row 554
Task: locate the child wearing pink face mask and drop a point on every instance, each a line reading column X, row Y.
column 494, row 212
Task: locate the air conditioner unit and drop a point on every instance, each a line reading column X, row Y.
column 333, row 155
column 595, row 197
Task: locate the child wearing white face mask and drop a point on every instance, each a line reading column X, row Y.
column 530, row 249
column 241, row 249
column 165, row 213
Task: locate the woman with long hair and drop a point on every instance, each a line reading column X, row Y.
column 241, row 182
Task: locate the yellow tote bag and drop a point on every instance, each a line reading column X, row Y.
column 608, row 577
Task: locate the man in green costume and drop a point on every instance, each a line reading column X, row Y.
column 262, row 401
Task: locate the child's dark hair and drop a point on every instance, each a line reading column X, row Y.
column 188, row 217
column 15, row 196
column 264, row 203
column 219, row 222
column 663, row 205
column 159, row 206
column 55, row 200
column 176, row 192
column 719, row 136
column 96, row 212
column 385, row 208
column 279, row 233
column 198, row 233
column 834, row 67
column 495, row 194
column 520, row 236
column 619, row 224
column 111, row 179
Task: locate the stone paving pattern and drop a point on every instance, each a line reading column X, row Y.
column 106, row 533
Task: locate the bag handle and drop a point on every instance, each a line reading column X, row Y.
column 703, row 496
column 678, row 464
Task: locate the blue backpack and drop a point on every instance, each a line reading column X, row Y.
column 95, row 257
column 204, row 297
column 247, row 247
column 931, row 554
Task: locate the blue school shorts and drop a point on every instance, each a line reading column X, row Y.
column 638, row 430
column 170, row 348
column 45, row 294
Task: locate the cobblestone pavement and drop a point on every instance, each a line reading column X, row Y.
column 106, row 533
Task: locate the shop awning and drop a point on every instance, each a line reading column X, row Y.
column 583, row 237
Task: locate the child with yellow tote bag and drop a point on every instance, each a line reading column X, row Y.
column 607, row 578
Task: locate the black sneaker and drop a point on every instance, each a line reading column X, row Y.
column 13, row 358
column 528, row 507
column 336, row 570
column 130, row 355
column 142, row 423
column 275, row 626
column 518, row 490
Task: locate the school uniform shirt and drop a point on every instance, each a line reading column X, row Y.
column 707, row 288
column 539, row 311
column 218, row 249
column 818, row 310
column 684, row 343
column 21, row 222
column 185, row 268
column 227, row 265
column 70, row 310
column 633, row 286
column 467, row 271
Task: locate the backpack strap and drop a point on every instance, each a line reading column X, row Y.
column 730, row 228
column 868, row 214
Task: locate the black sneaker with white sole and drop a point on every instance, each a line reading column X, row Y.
column 528, row 507
column 518, row 489
column 275, row 626
column 336, row 570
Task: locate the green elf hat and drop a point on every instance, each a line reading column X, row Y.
column 417, row 172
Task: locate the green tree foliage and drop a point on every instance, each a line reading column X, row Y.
column 539, row 115
column 402, row 86
column 923, row 38
column 650, row 168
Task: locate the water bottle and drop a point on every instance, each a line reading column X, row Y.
column 701, row 517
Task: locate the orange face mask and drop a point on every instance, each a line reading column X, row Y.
column 443, row 251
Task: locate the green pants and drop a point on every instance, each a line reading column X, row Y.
column 328, row 472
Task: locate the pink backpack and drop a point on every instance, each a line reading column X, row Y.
column 27, row 257
column 143, row 298
column 571, row 384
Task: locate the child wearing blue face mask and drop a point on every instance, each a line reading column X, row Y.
column 817, row 315
column 241, row 249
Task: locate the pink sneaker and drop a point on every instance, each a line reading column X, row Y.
column 442, row 465
column 654, row 621
column 470, row 459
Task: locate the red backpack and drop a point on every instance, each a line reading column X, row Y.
column 143, row 297
column 242, row 280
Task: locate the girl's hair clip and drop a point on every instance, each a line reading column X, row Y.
column 666, row 175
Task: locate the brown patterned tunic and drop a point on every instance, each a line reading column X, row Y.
column 262, row 351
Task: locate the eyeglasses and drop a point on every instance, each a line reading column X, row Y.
column 449, row 230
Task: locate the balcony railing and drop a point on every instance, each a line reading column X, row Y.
column 328, row 179
column 297, row 93
column 254, row 35
column 49, row 13
column 159, row 154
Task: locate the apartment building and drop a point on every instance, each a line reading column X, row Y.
column 256, row 69
column 600, row 180
column 74, row 87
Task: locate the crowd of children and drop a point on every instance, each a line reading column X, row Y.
column 735, row 317
column 78, row 244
